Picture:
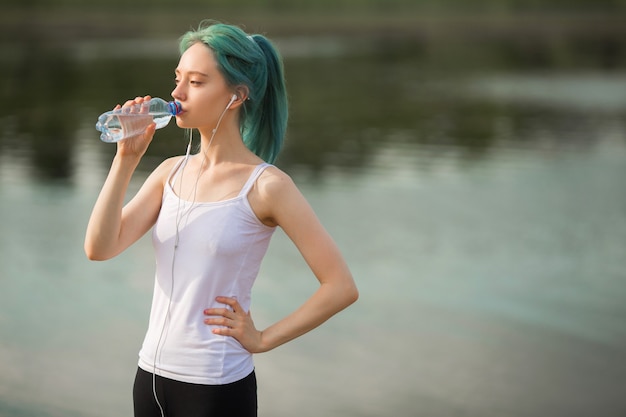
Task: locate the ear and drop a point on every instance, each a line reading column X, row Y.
column 242, row 93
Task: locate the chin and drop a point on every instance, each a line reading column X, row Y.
column 181, row 123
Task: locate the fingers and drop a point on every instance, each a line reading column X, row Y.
column 234, row 321
column 149, row 132
column 222, row 317
column 227, row 317
column 229, row 301
column 221, row 321
column 136, row 105
column 222, row 312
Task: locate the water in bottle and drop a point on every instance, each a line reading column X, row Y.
column 122, row 123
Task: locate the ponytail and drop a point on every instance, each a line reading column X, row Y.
column 264, row 134
column 253, row 62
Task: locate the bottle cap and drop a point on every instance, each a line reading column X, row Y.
column 175, row 107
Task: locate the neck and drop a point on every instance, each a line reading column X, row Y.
column 225, row 144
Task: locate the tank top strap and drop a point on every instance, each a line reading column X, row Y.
column 171, row 178
column 258, row 170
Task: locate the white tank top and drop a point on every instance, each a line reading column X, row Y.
column 219, row 252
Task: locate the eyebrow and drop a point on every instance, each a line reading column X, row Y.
column 177, row 71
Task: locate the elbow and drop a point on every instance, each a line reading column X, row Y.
column 341, row 295
column 353, row 295
column 92, row 257
column 350, row 294
column 93, row 254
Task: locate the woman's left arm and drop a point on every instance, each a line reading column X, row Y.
column 277, row 201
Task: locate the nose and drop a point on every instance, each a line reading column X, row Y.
column 178, row 93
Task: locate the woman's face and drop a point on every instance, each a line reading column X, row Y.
column 201, row 89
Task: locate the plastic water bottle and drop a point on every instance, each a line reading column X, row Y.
column 122, row 123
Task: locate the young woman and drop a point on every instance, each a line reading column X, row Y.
column 212, row 215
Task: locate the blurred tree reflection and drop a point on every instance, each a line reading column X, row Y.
column 381, row 85
column 40, row 83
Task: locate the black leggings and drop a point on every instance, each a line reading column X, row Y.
column 182, row 399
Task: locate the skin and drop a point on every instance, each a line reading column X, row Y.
column 216, row 173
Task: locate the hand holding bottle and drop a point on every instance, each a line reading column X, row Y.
column 138, row 125
column 134, row 117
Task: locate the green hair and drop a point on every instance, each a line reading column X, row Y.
column 253, row 62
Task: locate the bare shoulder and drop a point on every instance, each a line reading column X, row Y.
column 273, row 194
column 151, row 191
column 167, row 165
column 273, row 182
column 162, row 172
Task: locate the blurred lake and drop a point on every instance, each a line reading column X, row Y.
column 476, row 189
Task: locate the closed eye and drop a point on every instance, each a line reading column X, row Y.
column 192, row 82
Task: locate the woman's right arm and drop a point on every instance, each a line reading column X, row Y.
column 112, row 226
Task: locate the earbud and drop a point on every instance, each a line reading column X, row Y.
column 232, row 100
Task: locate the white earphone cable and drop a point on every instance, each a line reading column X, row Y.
column 179, row 217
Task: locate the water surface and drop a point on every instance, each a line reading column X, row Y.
column 483, row 215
